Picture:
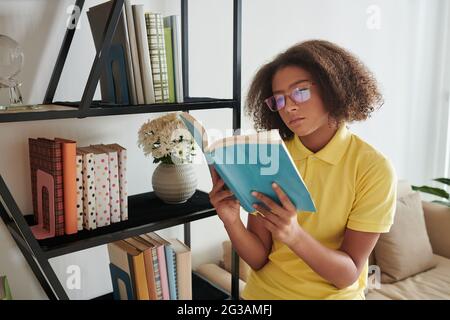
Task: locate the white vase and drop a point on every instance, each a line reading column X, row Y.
column 174, row 183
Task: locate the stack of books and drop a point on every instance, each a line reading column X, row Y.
column 148, row 267
column 146, row 53
column 76, row 188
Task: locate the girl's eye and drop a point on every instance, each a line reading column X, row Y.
column 301, row 94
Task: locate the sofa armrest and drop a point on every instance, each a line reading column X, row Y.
column 220, row 277
column 437, row 219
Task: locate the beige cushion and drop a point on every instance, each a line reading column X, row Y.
column 218, row 276
column 244, row 268
column 405, row 250
column 437, row 219
column 432, row 284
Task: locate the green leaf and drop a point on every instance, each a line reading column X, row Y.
column 443, row 180
column 445, row 203
column 434, row 191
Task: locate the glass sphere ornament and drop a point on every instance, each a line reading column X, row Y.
column 11, row 64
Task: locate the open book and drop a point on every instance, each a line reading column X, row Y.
column 252, row 162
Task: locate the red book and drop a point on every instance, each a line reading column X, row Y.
column 46, row 155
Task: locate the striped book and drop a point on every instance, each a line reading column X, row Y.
column 155, row 32
column 46, row 155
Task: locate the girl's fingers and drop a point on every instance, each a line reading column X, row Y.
column 217, row 186
column 267, row 215
column 284, row 199
column 272, row 205
column 221, row 195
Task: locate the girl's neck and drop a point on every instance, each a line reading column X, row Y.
column 319, row 138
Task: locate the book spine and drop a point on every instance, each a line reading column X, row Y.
column 57, row 163
column 123, row 185
column 79, row 182
column 171, row 270
column 177, row 63
column 89, row 218
column 163, row 272
column 70, row 187
column 169, row 56
column 155, row 33
column 114, row 192
column 157, row 274
column 102, row 189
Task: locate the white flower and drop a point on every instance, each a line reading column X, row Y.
column 166, row 137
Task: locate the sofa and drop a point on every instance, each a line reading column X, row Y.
column 411, row 261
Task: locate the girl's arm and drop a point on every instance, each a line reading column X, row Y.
column 252, row 244
column 340, row 267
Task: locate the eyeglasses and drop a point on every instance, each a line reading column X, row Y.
column 298, row 95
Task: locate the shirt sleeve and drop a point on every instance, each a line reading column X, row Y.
column 374, row 205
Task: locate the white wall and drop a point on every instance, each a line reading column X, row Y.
column 405, row 55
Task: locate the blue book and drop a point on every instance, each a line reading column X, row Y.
column 252, row 162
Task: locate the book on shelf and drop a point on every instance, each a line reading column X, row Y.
column 173, row 23
column 155, row 33
column 69, row 153
column 88, row 195
column 113, row 180
column 123, row 183
column 101, row 186
column 146, row 249
column 252, row 162
column 161, row 254
column 144, row 54
column 156, row 267
column 47, row 187
column 169, row 59
column 116, row 84
column 131, row 30
column 169, row 255
column 5, row 291
column 122, row 273
column 79, row 186
column 183, row 269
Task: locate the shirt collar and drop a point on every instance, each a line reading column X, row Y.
column 332, row 152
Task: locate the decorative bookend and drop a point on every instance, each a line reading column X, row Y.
column 45, row 206
column 116, row 75
column 121, row 282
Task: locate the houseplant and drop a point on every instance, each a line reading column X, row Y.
column 172, row 147
column 436, row 191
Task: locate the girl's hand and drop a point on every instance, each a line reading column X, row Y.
column 281, row 221
column 223, row 200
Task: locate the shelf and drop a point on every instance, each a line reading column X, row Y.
column 202, row 289
column 66, row 110
column 146, row 213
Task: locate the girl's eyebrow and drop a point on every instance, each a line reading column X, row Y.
column 291, row 85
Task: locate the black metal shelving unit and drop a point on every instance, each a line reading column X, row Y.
column 146, row 212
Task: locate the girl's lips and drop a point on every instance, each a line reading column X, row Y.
column 296, row 120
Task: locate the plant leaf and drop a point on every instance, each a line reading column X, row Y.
column 443, row 180
column 434, row 191
column 445, row 203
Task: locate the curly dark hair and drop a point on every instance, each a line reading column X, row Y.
column 348, row 89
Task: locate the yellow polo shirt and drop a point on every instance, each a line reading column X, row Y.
column 353, row 186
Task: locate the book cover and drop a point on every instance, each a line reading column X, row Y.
column 136, row 260
column 169, row 58
column 69, row 153
column 184, row 269
column 46, row 155
column 134, row 53
column 155, row 34
column 88, row 197
column 79, row 184
column 252, row 162
column 101, row 186
column 146, row 249
column 144, row 55
column 123, row 184
column 173, row 22
column 114, row 191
